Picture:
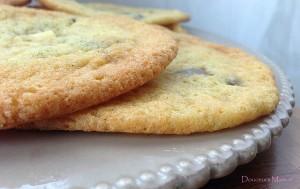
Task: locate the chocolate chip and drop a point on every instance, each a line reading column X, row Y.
column 193, row 71
column 234, row 81
column 73, row 20
column 138, row 16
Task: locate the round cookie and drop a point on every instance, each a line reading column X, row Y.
column 148, row 15
column 177, row 28
column 53, row 63
column 15, row 2
column 207, row 87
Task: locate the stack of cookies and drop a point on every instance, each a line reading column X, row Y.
column 110, row 68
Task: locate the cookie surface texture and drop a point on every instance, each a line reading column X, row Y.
column 207, row 87
column 15, row 2
column 53, row 63
column 148, row 15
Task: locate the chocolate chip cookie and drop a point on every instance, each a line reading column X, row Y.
column 53, row 63
column 148, row 15
column 208, row 87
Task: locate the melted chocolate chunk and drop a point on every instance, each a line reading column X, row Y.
column 72, row 21
column 194, row 71
column 138, row 16
column 234, row 81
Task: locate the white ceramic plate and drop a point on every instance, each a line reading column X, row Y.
column 32, row 159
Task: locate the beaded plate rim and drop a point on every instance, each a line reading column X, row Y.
column 216, row 163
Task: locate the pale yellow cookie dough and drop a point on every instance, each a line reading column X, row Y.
column 207, row 87
column 53, row 64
